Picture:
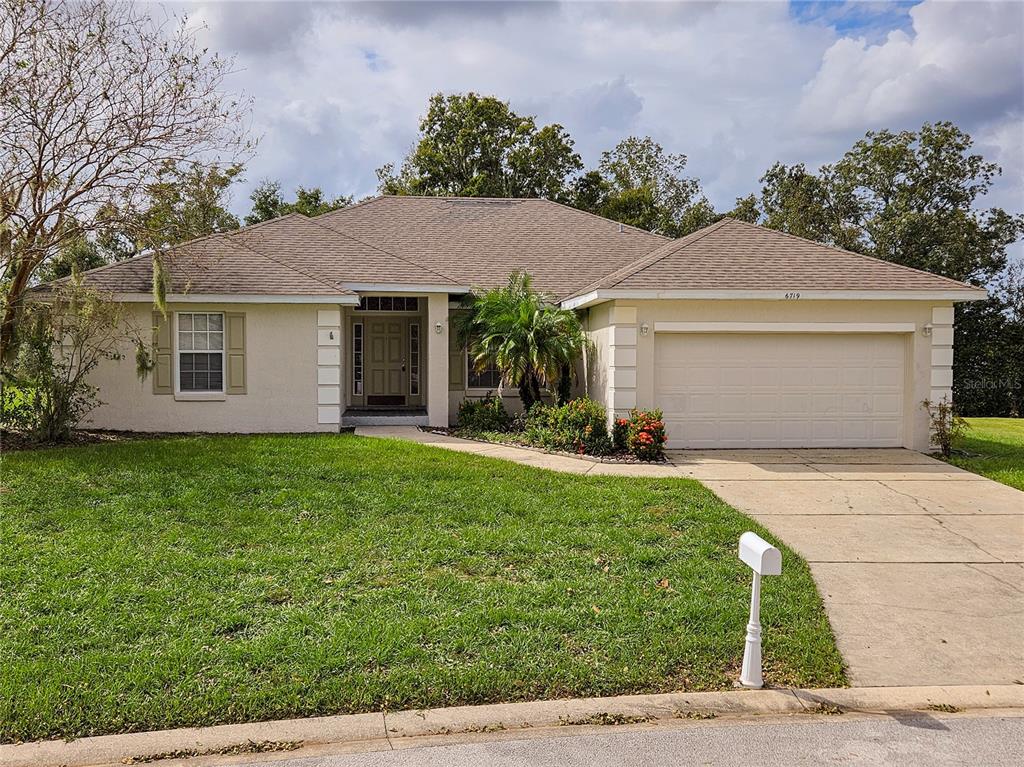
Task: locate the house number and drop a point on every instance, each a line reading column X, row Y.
column 792, row 296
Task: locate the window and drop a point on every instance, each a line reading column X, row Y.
column 357, row 358
column 200, row 352
column 389, row 304
column 488, row 378
column 414, row 359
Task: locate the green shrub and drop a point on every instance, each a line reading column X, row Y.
column 579, row 426
column 487, row 414
column 644, row 433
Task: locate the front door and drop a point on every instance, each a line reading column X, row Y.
column 385, row 373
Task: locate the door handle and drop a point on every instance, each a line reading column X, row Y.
column 403, row 364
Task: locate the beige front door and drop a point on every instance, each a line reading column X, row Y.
column 385, row 362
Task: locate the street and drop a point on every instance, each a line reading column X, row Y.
column 925, row 739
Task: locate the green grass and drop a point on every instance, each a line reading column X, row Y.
column 203, row 580
column 994, row 447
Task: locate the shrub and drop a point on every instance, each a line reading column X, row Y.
column 645, row 434
column 58, row 344
column 620, row 434
column 946, row 426
column 487, row 414
column 578, row 426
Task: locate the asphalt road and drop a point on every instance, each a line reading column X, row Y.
column 909, row 740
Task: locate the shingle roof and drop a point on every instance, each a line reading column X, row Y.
column 213, row 265
column 734, row 255
column 478, row 241
column 464, row 242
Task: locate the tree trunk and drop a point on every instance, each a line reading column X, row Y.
column 526, row 393
column 564, row 384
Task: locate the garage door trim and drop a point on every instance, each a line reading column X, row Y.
column 784, row 327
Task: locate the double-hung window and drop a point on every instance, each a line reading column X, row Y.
column 200, row 352
column 488, row 378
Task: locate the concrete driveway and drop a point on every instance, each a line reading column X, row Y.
column 920, row 564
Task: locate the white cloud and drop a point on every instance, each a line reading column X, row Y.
column 962, row 61
column 339, row 89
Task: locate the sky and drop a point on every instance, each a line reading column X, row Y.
column 338, row 89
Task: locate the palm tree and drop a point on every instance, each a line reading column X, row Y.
column 524, row 334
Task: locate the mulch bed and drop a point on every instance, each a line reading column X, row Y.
column 512, row 442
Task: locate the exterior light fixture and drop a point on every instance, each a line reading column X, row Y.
column 927, row 329
column 439, row 328
column 645, row 329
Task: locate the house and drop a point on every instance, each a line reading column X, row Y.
column 744, row 336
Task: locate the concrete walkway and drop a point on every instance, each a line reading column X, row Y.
column 920, row 564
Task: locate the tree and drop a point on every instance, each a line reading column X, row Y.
column 476, row 146
column 267, row 202
column 640, row 184
column 796, row 201
column 186, row 202
column 988, row 356
column 530, row 339
column 62, row 339
column 96, row 99
column 907, row 197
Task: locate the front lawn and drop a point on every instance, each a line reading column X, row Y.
column 202, row 580
column 993, row 447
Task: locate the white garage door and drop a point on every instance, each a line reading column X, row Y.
column 780, row 390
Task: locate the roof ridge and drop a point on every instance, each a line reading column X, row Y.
column 650, row 258
column 354, row 205
column 462, row 198
column 245, row 246
column 594, row 215
column 382, row 250
column 844, row 251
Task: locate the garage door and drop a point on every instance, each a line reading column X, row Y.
column 721, row 390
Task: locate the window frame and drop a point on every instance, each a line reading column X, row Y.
column 176, row 345
column 469, row 371
column 413, row 355
column 358, row 365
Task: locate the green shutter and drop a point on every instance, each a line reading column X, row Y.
column 163, row 355
column 234, row 323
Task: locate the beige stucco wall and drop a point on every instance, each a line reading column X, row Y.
column 281, row 373
column 613, row 326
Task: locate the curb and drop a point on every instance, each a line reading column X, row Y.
column 383, row 728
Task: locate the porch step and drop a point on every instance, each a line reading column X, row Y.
column 384, row 417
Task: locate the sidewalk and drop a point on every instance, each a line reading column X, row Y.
column 390, row 730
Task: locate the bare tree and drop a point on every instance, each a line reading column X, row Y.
column 95, row 98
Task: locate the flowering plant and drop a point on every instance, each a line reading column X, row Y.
column 644, row 434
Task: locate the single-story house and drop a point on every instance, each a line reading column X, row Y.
column 743, row 336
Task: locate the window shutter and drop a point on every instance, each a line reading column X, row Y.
column 163, row 356
column 235, row 352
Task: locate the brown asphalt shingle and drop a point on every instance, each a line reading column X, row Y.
column 212, row 265
column 477, row 242
column 734, row 255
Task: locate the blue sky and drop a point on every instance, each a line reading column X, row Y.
column 338, row 89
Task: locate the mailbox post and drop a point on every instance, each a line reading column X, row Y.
column 763, row 559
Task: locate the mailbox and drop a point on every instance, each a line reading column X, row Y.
column 764, row 559
column 759, row 555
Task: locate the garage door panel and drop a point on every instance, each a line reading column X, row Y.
column 781, row 390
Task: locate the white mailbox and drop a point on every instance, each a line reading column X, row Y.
column 763, row 559
column 759, row 555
